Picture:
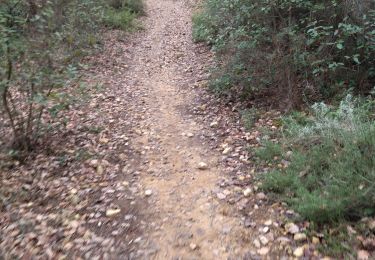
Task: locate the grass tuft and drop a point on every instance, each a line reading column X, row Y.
column 331, row 176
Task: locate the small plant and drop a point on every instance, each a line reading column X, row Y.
column 331, row 175
column 120, row 14
column 269, row 151
column 249, row 118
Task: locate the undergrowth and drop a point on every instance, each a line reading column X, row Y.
column 331, row 175
column 121, row 14
column 295, row 50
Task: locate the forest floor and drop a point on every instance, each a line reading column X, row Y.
column 151, row 167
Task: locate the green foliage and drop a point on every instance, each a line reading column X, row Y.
column 41, row 45
column 249, row 117
column 298, row 49
column 331, row 175
column 119, row 19
column 120, row 14
column 269, row 151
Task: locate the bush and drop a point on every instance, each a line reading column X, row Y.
column 331, row 175
column 41, row 45
column 40, row 42
column 299, row 50
column 120, row 14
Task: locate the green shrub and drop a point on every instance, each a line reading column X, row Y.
column 134, row 6
column 119, row 19
column 269, row 151
column 299, row 50
column 249, row 117
column 120, row 14
column 41, row 46
column 331, row 175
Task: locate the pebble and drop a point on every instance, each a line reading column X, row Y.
column 261, row 196
column 265, row 230
column 315, row 240
column 214, row 124
column 227, row 150
column 268, row 222
column 221, row 196
column 263, row 251
column 291, row 228
column 256, row 243
column 112, row 212
column 202, row 166
column 148, row 193
column 247, row 192
column 263, row 240
column 300, row 237
column 298, row 252
column 193, row 246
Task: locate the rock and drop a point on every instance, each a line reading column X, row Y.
column 256, row 243
column 94, row 163
column 265, row 230
column 227, row 150
column 291, row 228
column 100, row 169
column 112, row 212
column 371, row 225
column 148, row 193
column 247, row 192
column 202, row 166
column 369, row 244
column 263, row 251
column 268, row 222
column 315, row 240
column 248, row 223
column 299, row 251
column 300, row 237
column 214, row 124
column 261, row 196
column 221, row 196
column 193, row 246
column 263, row 240
column 190, row 135
column 363, row 255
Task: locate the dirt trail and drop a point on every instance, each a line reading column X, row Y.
column 188, row 221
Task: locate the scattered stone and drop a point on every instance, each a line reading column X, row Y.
column 315, row 240
column 371, row 225
column 263, row 251
column 148, row 193
column 291, row 228
column 363, row 255
column 112, row 212
column 214, row 124
column 299, row 251
column 227, row 150
column 256, row 243
column 263, row 240
column 247, row 192
column 265, row 230
column 300, row 237
column 221, row 196
column 190, row 135
column 268, row 222
column 202, row 166
column 261, row 196
column 193, row 246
